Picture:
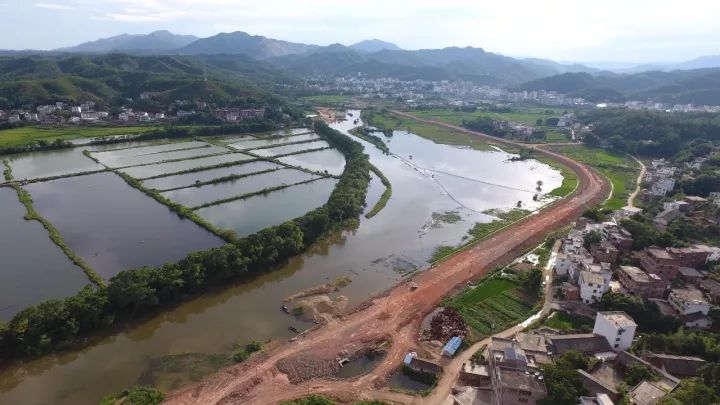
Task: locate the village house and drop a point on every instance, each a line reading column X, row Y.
column 515, row 379
column 586, row 343
column 688, row 301
column 693, row 256
column 617, row 327
column 711, row 289
column 419, row 365
column 659, row 261
column 604, row 252
column 646, row 393
column 592, row 287
column 639, row 283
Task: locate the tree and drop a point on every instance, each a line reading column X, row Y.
column 691, row 391
column 531, row 280
column 539, row 122
column 592, row 237
column 562, row 380
column 638, row 372
column 138, row 395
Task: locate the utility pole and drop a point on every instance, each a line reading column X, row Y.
column 204, row 71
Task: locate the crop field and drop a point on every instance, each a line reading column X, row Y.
column 102, row 205
column 491, row 306
column 622, row 170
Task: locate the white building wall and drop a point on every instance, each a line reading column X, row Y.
column 619, row 338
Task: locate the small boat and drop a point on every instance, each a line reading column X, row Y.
column 293, row 329
column 350, row 114
column 285, row 309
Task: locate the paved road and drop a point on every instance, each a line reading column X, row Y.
column 394, row 316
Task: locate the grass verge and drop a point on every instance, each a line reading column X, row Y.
column 385, row 197
column 621, row 170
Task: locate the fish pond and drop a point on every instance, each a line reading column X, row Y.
column 115, row 227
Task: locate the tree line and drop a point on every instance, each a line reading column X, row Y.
column 63, row 323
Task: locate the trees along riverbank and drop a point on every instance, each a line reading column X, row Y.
column 65, row 323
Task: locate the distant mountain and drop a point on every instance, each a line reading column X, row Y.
column 374, row 45
column 697, row 86
column 154, row 42
column 430, row 64
column 239, row 42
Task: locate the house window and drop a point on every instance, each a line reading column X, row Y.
column 616, row 345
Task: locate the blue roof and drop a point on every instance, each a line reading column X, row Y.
column 452, row 345
column 408, row 358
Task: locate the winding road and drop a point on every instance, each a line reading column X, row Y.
column 394, row 316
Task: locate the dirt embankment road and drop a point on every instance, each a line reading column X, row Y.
column 395, row 316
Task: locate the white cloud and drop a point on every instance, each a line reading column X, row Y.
column 53, row 6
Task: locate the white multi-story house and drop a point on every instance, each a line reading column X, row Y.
column 617, row 327
column 592, row 287
column 688, row 301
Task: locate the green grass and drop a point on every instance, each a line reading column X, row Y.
column 385, row 197
column 482, row 230
column 387, row 120
column 556, row 136
column 493, row 305
column 27, row 135
column 570, row 179
column 326, row 100
column 568, row 322
column 527, row 115
column 622, row 170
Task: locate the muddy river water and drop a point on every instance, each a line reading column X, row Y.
column 435, row 179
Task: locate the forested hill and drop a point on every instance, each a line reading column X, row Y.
column 112, row 79
column 699, row 86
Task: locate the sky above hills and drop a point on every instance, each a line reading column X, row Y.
column 566, row 30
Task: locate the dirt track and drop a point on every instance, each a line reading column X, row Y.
column 395, row 315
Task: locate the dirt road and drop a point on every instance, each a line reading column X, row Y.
column 394, row 316
column 638, row 187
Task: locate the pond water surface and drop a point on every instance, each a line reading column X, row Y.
column 115, row 227
column 331, row 160
column 400, row 238
column 143, row 172
column 285, row 149
column 114, row 159
column 188, row 179
column 255, row 213
column 261, row 143
column 32, row 268
column 196, row 196
column 35, row 165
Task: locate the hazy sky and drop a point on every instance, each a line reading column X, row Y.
column 577, row 30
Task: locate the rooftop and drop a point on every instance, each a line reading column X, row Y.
column 521, row 380
column 584, row 343
column 689, row 295
column 635, row 274
column 659, row 253
column 689, row 272
column 646, row 393
column 619, row 318
column 591, row 277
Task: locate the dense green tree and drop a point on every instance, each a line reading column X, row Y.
column 638, row 372
column 590, row 238
column 562, row 380
column 691, row 391
column 531, row 280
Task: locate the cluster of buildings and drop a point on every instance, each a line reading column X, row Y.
column 656, row 106
column 438, row 93
column 63, row 113
column 667, row 276
column 661, row 178
column 511, row 370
